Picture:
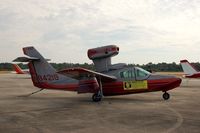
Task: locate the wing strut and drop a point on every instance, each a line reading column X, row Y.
column 100, row 87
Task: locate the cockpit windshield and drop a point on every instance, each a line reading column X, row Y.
column 141, row 72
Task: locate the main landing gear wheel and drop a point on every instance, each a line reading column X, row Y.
column 96, row 97
column 166, row 96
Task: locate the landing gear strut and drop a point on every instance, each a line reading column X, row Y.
column 166, row 96
column 98, row 96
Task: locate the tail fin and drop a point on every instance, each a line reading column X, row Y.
column 42, row 73
column 17, row 69
column 40, row 66
column 188, row 68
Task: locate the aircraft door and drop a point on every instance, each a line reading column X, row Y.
column 134, row 79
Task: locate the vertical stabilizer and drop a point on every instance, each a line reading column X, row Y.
column 17, row 69
column 41, row 66
column 188, row 68
column 42, row 73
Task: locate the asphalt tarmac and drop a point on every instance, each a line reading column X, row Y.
column 67, row 112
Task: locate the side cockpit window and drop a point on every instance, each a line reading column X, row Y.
column 135, row 73
column 127, row 74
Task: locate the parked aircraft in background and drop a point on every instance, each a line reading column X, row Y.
column 18, row 70
column 189, row 70
column 108, row 79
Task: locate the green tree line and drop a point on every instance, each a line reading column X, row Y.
column 159, row 67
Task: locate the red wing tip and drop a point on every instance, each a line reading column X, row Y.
column 182, row 61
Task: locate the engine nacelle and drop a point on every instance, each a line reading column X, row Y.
column 101, row 58
column 103, row 52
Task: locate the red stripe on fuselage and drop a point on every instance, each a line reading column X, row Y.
column 116, row 88
column 64, row 87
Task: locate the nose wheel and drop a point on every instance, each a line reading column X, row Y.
column 166, row 96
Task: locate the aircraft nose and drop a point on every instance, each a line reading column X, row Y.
column 165, row 82
column 173, row 83
column 177, row 80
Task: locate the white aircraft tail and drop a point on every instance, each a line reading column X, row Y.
column 42, row 73
column 188, row 68
column 17, row 69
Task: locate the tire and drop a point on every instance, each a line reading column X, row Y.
column 96, row 97
column 166, row 96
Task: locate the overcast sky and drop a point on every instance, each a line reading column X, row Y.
column 62, row 30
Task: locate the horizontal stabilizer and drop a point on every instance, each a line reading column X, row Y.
column 25, row 59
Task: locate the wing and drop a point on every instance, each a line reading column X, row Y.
column 80, row 73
